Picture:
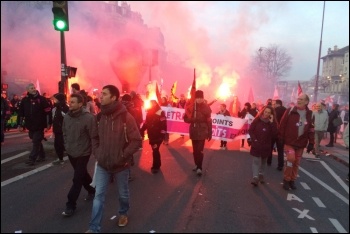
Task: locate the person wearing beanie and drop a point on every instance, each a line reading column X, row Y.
column 200, row 122
column 59, row 110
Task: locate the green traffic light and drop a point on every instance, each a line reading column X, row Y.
column 60, row 24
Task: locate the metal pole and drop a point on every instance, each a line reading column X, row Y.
column 63, row 88
column 319, row 57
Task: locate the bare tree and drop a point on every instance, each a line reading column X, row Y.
column 272, row 63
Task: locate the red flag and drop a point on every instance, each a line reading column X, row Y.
column 193, row 87
column 190, row 103
column 159, row 97
column 250, row 96
column 300, row 91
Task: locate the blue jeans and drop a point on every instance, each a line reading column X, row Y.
column 102, row 179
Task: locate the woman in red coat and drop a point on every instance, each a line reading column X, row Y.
column 262, row 130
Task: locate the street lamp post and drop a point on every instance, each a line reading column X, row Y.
column 319, row 57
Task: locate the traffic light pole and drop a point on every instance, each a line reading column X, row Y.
column 63, row 85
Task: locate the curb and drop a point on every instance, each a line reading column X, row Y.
column 338, row 159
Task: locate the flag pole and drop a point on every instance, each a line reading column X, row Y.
column 319, row 58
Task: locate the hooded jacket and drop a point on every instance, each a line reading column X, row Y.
column 200, row 123
column 156, row 126
column 114, row 152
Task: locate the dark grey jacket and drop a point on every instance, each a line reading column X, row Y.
column 80, row 133
column 113, row 153
column 200, row 122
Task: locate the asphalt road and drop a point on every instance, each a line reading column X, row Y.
column 176, row 200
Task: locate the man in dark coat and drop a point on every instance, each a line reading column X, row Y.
column 279, row 111
column 58, row 112
column 200, row 128
column 36, row 112
column 331, row 128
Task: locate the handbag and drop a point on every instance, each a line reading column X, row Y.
column 337, row 121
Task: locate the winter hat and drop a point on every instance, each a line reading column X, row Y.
column 199, row 94
column 60, row 97
column 126, row 97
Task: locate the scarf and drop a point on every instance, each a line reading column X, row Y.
column 109, row 108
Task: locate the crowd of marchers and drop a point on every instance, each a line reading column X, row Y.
column 111, row 129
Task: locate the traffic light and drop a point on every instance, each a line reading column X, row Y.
column 60, row 15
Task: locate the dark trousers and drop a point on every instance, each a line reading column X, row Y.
column 156, row 156
column 81, row 178
column 280, row 153
column 198, row 147
column 331, row 141
column 223, row 144
column 2, row 129
column 37, row 148
column 59, row 145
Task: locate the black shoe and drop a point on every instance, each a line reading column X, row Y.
column 154, row 170
column 286, row 185
column 29, row 161
column 329, row 145
column 41, row 160
column 292, row 185
column 280, row 168
column 269, row 164
column 68, row 212
column 90, row 197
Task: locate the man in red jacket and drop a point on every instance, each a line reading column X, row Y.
column 296, row 131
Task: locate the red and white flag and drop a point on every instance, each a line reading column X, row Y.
column 300, row 91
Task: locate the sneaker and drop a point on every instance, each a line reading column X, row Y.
column 292, row 185
column 41, row 160
column 286, row 185
column 68, row 212
column 224, row 148
column 58, row 162
column 89, row 197
column 279, row 168
column 261, row 179
column 195, row 169
column 199, row 172
column 255, row 181
column 123, row 221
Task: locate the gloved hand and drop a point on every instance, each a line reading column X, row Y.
column 309, row 148
column 209, row 138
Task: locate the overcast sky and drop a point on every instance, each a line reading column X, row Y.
column 237, row 26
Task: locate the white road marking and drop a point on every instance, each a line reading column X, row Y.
column 338, row 226
column 336, row 177
column 313, row 230
column 17, row 135
column 341, row 197
column 318, row 202
column 303, row 214
column 36, row 170
column 14, row 157
column 305, row 186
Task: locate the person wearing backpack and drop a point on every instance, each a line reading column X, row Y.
column 59, row 110
column 156, row 126
column 119, row 139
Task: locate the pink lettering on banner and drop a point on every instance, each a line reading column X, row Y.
column 223, row 127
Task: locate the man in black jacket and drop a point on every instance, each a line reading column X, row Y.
column 279, row 111
column 36, row 112
column 200, row 128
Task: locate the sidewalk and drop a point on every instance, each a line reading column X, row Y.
column 338, row 152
